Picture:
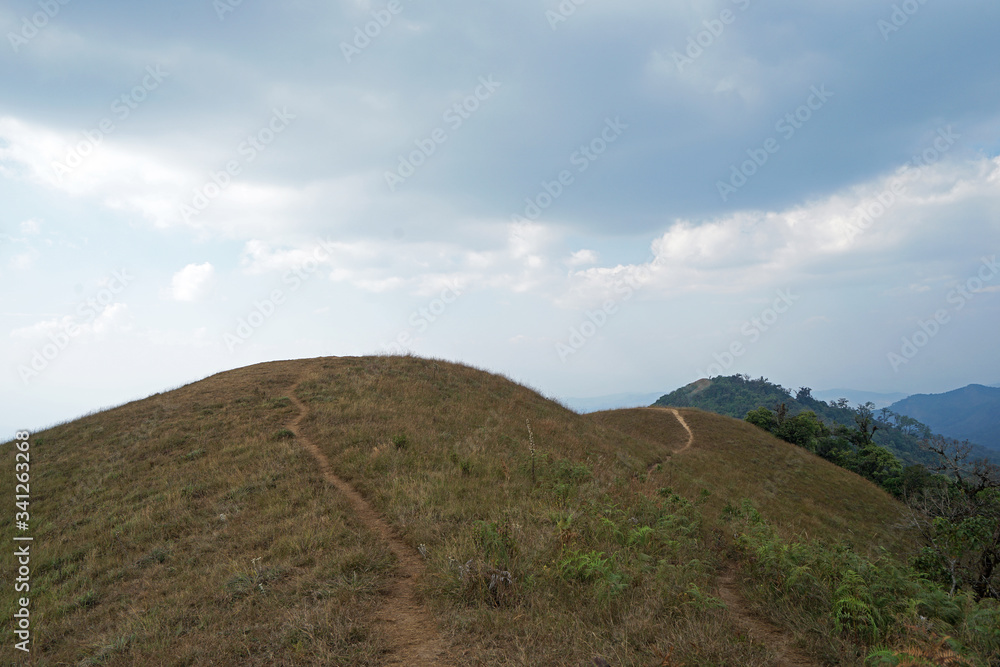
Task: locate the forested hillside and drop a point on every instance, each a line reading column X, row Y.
column 970, row 413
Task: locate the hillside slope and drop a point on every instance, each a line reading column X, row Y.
column 806, row 496
column 218, row 523
column 970, row 413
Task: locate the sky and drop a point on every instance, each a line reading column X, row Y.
column 590, row 197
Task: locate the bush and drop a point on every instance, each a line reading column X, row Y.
column 869, row 604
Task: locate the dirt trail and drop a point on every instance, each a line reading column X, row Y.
column 407, row 625
column 777, row 639
column 687, row 428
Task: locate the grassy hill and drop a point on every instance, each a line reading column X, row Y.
column 970, row 413
column 394, row 510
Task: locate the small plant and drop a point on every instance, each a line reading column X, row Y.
column 640, row 536
column 86, row 600
column 531, row 450
column 284, row 434
column 495, row 541
column 930, row 651
column 695, row 597
column 487, row 583
column 400, row 441
column 157, row 555
column 592, row 567
column 250, row 580
column 194, row 491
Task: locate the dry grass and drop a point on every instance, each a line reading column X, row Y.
column 804, row 495
column 611, row 550
column 133, row 563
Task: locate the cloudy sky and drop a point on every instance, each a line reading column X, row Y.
column 592, row 197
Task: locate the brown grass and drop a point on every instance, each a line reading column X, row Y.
column 804, row 495
column 133, row 563
column 612, row 550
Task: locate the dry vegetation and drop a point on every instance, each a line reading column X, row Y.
column 134, row 563
column 804, row 495
column 597, row 542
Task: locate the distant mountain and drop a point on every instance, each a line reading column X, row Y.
column 609, row 402
column 970, row 413
column 855, row 396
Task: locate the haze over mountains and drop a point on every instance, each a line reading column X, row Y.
column 856, row 397
column 970, row 413
column 610, row 402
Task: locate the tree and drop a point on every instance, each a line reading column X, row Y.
column 959, row 520
column 880, row 466
column 864, row 417
column 780, row 413
column 804, row 429
column 762, row 418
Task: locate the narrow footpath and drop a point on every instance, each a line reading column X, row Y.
column 407, row 625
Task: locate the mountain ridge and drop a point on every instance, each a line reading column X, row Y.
column 174, row 523
column 969, row 413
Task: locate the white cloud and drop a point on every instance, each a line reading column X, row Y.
column 191, row 283
column 114, row 317
column 23, row 261
column 747, row 249
column 582, row 258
